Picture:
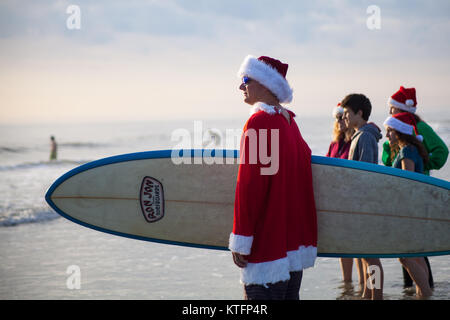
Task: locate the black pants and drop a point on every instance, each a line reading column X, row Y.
column 283, row 290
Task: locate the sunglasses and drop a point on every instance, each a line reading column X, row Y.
column 246, row 80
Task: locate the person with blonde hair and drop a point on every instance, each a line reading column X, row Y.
column 339, row 148
column 342, row 136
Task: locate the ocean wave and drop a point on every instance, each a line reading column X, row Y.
column 82, row 145
column 42, row 164
column 13, row 217
column 12, row 150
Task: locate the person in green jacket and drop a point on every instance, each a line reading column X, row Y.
column 404, row 100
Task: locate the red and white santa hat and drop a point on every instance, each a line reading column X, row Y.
column 405, row 99
column 271, row 73
column 403, row 122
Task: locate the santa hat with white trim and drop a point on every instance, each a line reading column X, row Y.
column 403, row 122
column 271, row 73
column 405, row 99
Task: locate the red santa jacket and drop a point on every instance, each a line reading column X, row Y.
column 275, row 222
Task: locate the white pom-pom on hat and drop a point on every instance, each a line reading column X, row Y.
column 338, row 111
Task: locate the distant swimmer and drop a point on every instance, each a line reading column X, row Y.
column 53, row 148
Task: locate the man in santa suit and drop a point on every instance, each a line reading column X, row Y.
column 274, row 234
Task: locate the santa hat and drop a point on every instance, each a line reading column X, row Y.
column 338, row 110
column 271, row 73
column 405, row 99
column 403, row 122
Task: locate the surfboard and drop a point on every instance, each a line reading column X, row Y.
column 186, row 197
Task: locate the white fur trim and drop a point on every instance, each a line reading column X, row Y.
column 399, row 125
column 266, row 272
column 338, row 110
column 267, row 76
column 394, row 103
column 261, row 106
column 302, row 258
column 278, row 270
column 240, row 244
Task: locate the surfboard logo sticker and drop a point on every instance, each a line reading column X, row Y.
column 152, row 199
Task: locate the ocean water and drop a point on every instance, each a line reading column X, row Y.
column 39, row 250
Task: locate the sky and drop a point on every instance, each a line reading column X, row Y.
column 166, row 59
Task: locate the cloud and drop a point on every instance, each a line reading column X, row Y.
column 417, row 28
column 142, row 52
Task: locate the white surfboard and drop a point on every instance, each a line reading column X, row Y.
column 363, row 210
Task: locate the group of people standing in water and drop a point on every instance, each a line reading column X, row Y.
column 274, row 235
column 411, row 145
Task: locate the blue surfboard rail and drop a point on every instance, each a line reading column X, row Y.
column 158, row 154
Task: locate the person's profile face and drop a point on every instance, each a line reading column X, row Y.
column 349, row 116
column 391, row 135
column 252, row 89
column 342, row 126
column 393, row 110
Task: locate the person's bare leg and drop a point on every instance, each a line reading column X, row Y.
column 346, row 267
column 365, row 289
column 360, row 270
column 419, row 274
column 376, row 287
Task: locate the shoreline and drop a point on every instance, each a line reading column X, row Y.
column 37, row 256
